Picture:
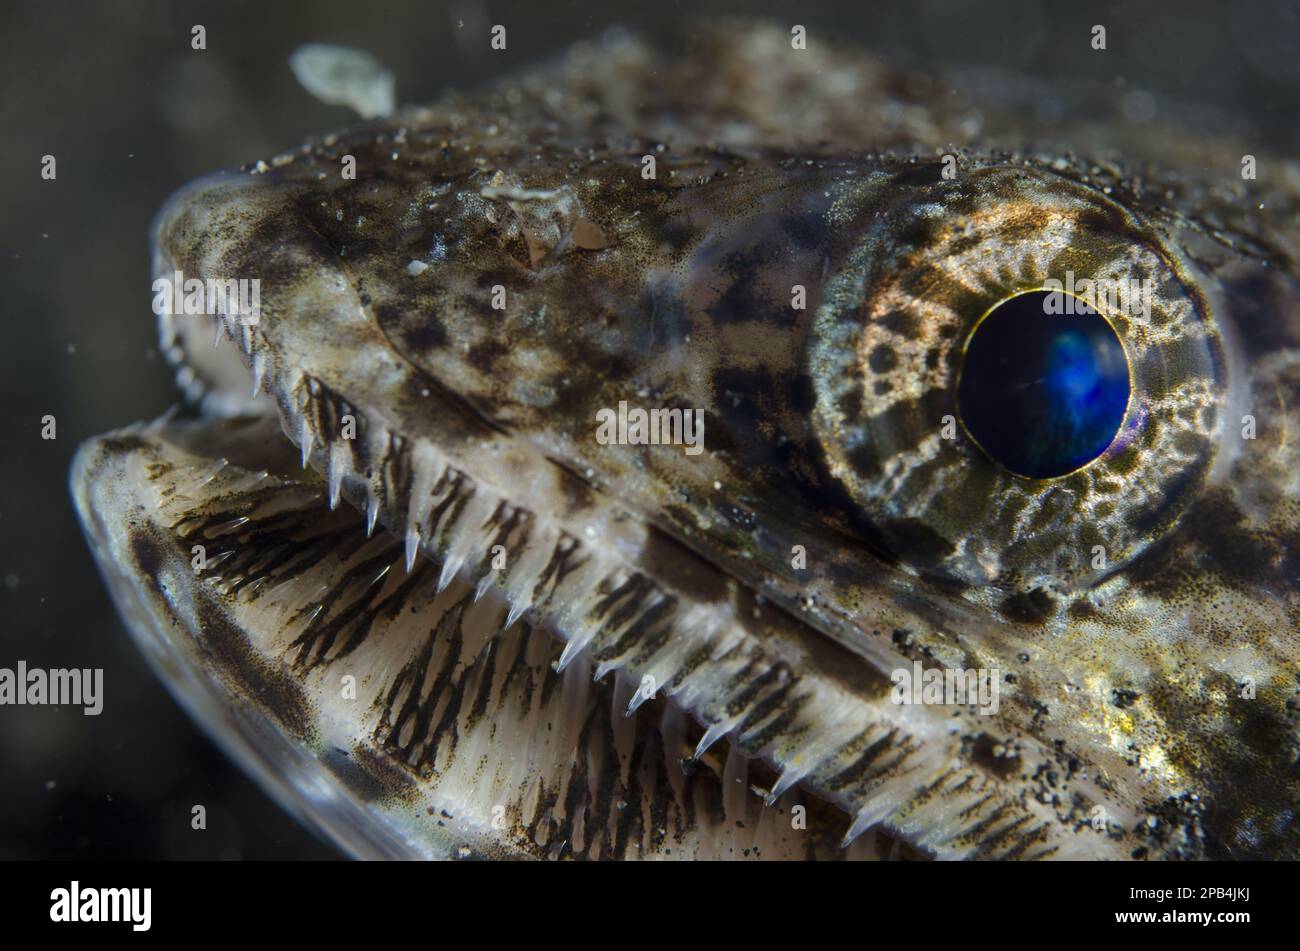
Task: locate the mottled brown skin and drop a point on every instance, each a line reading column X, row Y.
column 775, row 167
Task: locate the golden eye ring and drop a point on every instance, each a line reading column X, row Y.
column 886, row 355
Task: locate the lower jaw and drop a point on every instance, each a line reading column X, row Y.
column 454, row 737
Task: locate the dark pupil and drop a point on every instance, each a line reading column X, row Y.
column 1043, row 393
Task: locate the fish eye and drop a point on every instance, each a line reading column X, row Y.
column 1043, row 394
column 990, row 423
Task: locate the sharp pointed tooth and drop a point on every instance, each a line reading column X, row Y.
column 305, row 441
column 218, row 559
column 206, row 475
column 885, row 800
column 248, row 338
column 335, row 476
column 639, row 697
column 580, row 639
column 711, row 736
column 372, row 512
column 571, row 650
column 522, row 573
column 788, row 779
column 259, row 369
column 483, row 584
column 450, row 568
column 216, row 331
column 412, row 546
column 864, row 820
column 517, row 608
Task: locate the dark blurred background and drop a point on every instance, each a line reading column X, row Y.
column 115, row 92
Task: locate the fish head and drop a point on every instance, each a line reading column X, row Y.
column 680, row 335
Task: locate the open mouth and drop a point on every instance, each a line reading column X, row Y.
column 408, row 713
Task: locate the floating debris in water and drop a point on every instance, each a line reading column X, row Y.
column 345, row 76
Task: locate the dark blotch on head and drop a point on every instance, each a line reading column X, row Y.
column 918, row 542
column 806, row 230
column 420, row 335
column 746, row 300
column 983, row 754
column 742, row 401
column 1029, row 607
column 928, row 173
column 1214, row 528
column 1254, row 297
column 483, row 356
column 1124, row 698
column 123, row 445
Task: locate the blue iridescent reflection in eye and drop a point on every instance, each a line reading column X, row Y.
column 1043, row 393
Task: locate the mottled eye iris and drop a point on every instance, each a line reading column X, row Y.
column 1081, row 429
column 1043, row 392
